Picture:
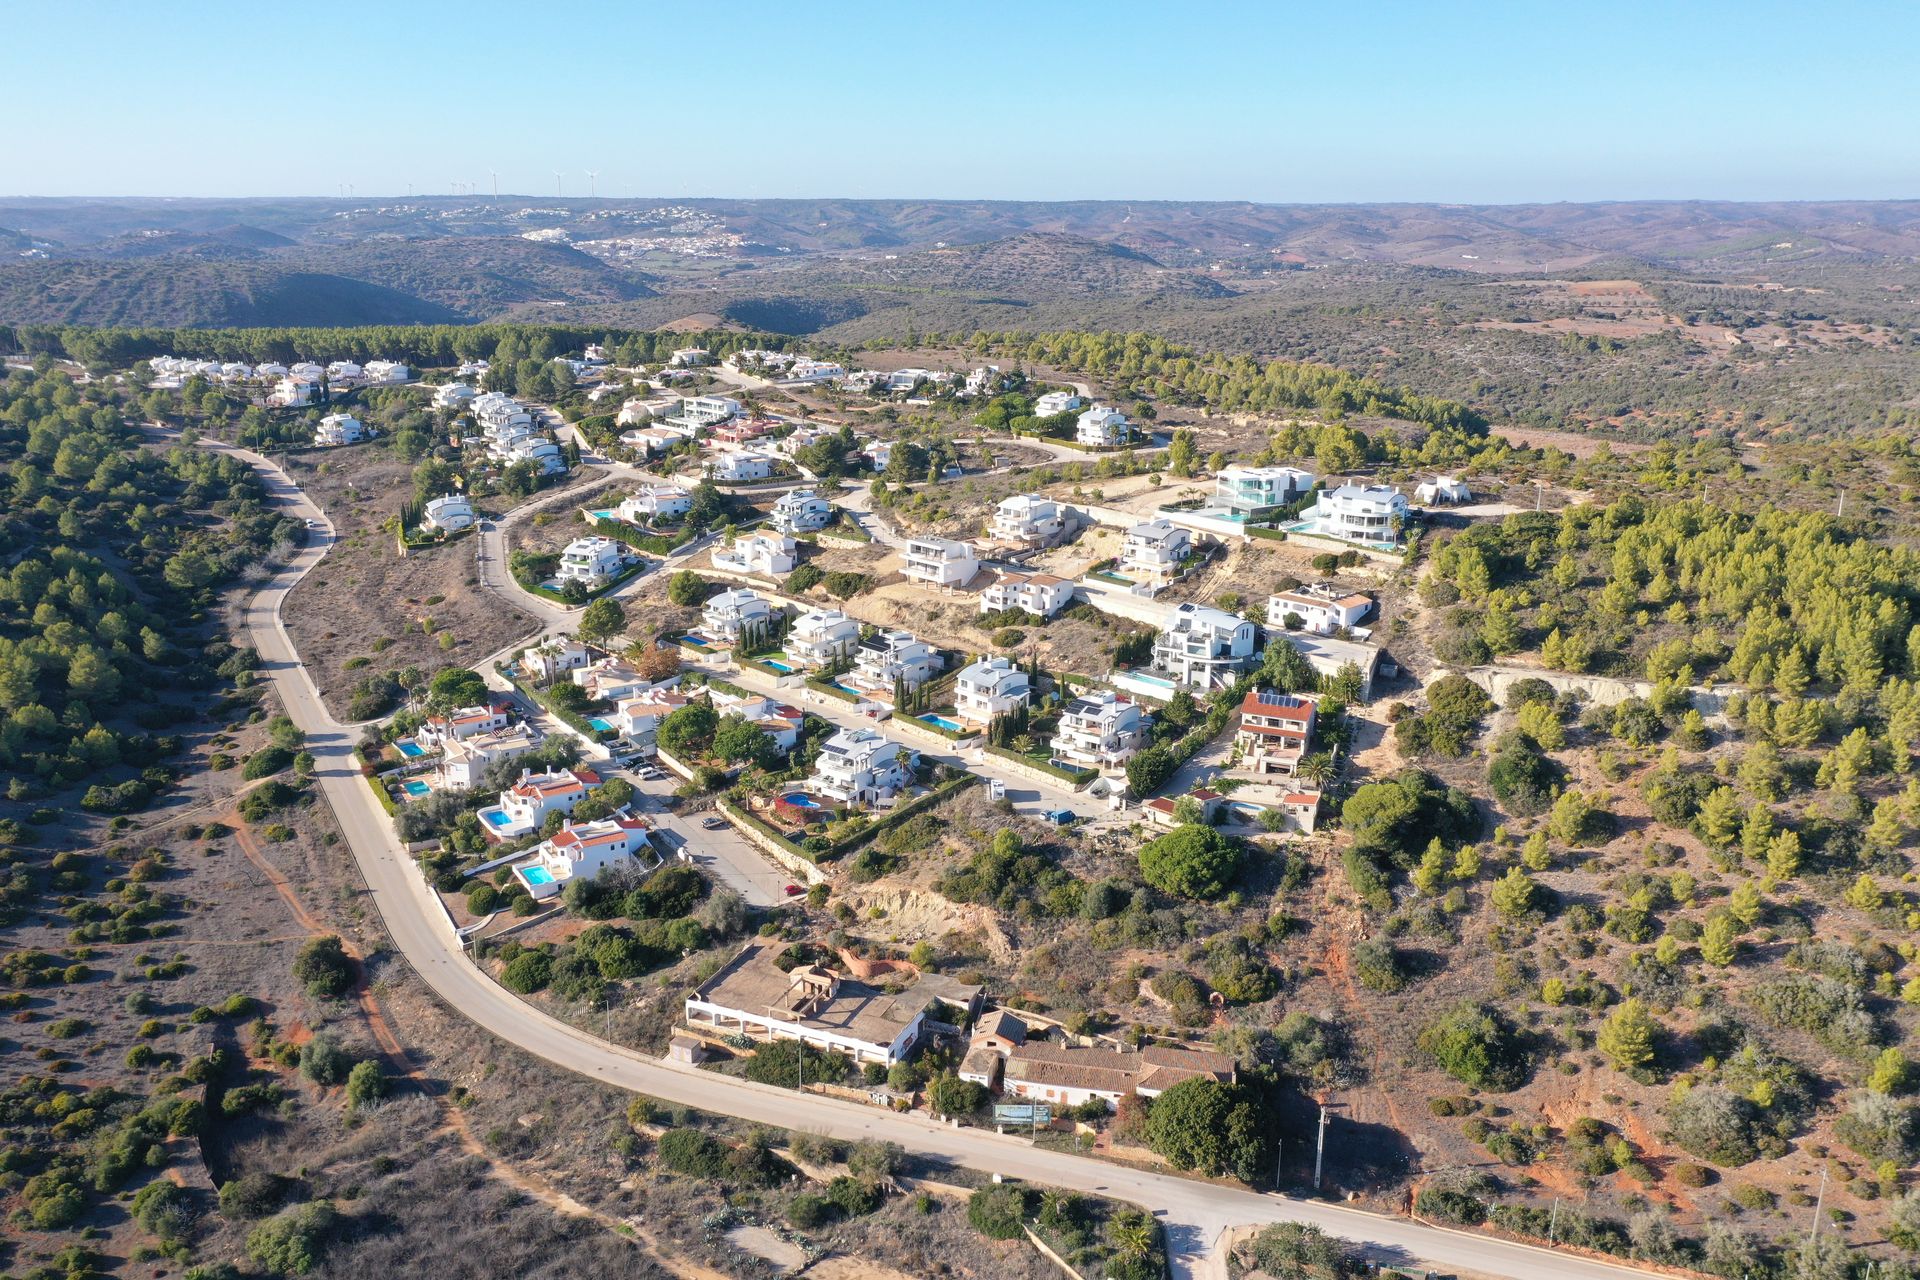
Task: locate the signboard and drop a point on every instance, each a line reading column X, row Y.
column 1034, row 1113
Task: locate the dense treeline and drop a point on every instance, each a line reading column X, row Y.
column 110, row 550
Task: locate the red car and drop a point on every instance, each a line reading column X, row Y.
column 794, row 891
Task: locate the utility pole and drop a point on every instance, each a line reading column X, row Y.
column 1840, row 511
column 1819, row 1202
column 1279, row 1152
column 1320, row 1147
column 1553, row 1220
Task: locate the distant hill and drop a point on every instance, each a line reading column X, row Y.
column 478, row 276
column 186, row 290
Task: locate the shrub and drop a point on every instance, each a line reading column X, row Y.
column 164, row 1208
column 696, row 1154
column 252, row 1195
column 292, row 1243
column 854, row 1197
column 1377, row 964
column 366, row 1083
column 324, row 1062
column 998, row 1211
column 528, row 972
column 1474, row 1045
column 1208, row 1126
column 265, row 762
column 808, row 1210
column 324, row 967
column 1715, row 1124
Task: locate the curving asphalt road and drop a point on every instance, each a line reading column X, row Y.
column 1194, row 1213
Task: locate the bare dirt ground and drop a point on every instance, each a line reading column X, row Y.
column 366, row 603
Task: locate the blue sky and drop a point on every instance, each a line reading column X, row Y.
column 1485, row 102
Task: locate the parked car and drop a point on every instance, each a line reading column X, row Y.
column 713, row 824
column 794, row 891
column 1060, row 817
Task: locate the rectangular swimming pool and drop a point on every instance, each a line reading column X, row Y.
column 496, row 817
column 776, row 664
column 416, row 788
column 536, row 875
column 409, row 748
column 600, row 724
column 951, row 726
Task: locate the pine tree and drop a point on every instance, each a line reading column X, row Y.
column 1783, row 856
column 1717, row 941
column 1627, row 1036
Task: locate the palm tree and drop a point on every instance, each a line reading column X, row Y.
column 1317, row 770
column 1133, row 1234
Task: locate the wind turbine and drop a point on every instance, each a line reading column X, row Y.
column 556, row 182
column 593, row 182
column 496, row 183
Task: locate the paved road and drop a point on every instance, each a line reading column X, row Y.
column 1195, row 1214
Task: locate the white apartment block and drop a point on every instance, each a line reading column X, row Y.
column 1029, row 520
column 988, row 688
column 344, row 371
column 1153, row 551
column 802, row 511
column 861, row 768
column 940, row 562
column 1442, row 491
column 768, row 554
column 1040, row 594
column 592, row 560
column 1099, row 730
column 1361, row 513
column 1204, row 647
column 1103, row 426
column 820, row 636
column 387, row 371
column 454, row 395
column 885, row 657
column 339, row 428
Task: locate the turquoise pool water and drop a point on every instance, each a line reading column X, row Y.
column 695, row 642
column 776, row 664
column 606, row 513
column 416, row 788
column 409, row 748
column 951, row 726
column 1159, row 682
column 600, row 724
column 536, row 875
column 496, row 817
column 799, row 801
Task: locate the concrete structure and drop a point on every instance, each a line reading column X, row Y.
column 464, row 722
column 450, row 514
column 1040, row 594
column 1153, row 551
column 818, row 1006
column 463, row 762
column 1245, row 490
column 988, row 688
column 1099, row 730
column 1204, row 647
column 1320, row 609
column 581, row 851
column 454, row 395
column 1372, row 514
column 593, row 561
column 1070, row 1076
column 862, row 768
column 339, row 428
column 1028, row 520
column 820, row 636
column 1330, row 657
column 802, row 511
column 740, row 468
column 1442, row 491
column 768, row 554
column 732, row 615
column 940, row 562
column 1276, row 731
column 888, row 657
column 1055, row 403
column 1103, row 426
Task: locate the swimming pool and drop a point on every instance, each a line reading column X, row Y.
column 409, row 748
column 606, row 513
column 536, row 875
column 776, row 664
column 414, row 787
column 1158, row 682
column 799, row 801
column 951, row 726
column 601, row 725
column 496, row 817
column 694, row 642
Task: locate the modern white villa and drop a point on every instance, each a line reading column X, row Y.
column 767, row 554
column 339, row 428
column 593, row 561
column 463, row 722
column 802, row 511
column 1204, row 647
column 1055, row 403
column 453, row 395
column 820, row 636
column 693, row 415
column 733, row 614
column 940, row 562
column 988, row 688
column 1318, row 608
column 886, row 657
column 1099, row 730
column 1040, row 594
column 450, row 514
column 462, row 762
column 1442, row 491
column 862, row 768
column 1153, row 551
column 654, row 501
column 1244, row 490
column 1028, row 520
column 740, row 468
column 387, row 371
column 1372, row 514
column 524, row 806
column 1103, row 427
column 581, row 851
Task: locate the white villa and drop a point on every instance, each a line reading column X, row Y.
column 1371, row 513
column 1152, row 552
column 801, row 511
column 690, row 358
column 1329, row 657
column 524, row 806
column 344, row 371
column 462, row 762
column 609, row 680
column 1040, row 594
column 1276, row 730
column 1247, row 489
column 940, row 562
column 454, row 395
column 1103, row 426
column 860, row 767
column 1055, row 403
column 292, row 393
column 664, row 501
column 1029, row 520
column 1099, row 730
column 450, row 513
column 547, row 662
column 1320, row 609
column 387, row 371
column 988, row 688
column 1205, row 647
column 695, row 414
column 733, row 614
column 339, row 428
column 1071, row 1075
column 769, row 554
column 581, row 850
column 740, row 468
column 889, row 656
column 1442, row 491
column 819, row 636
column 638, row 718
column 593, row 560
column 463, row 722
